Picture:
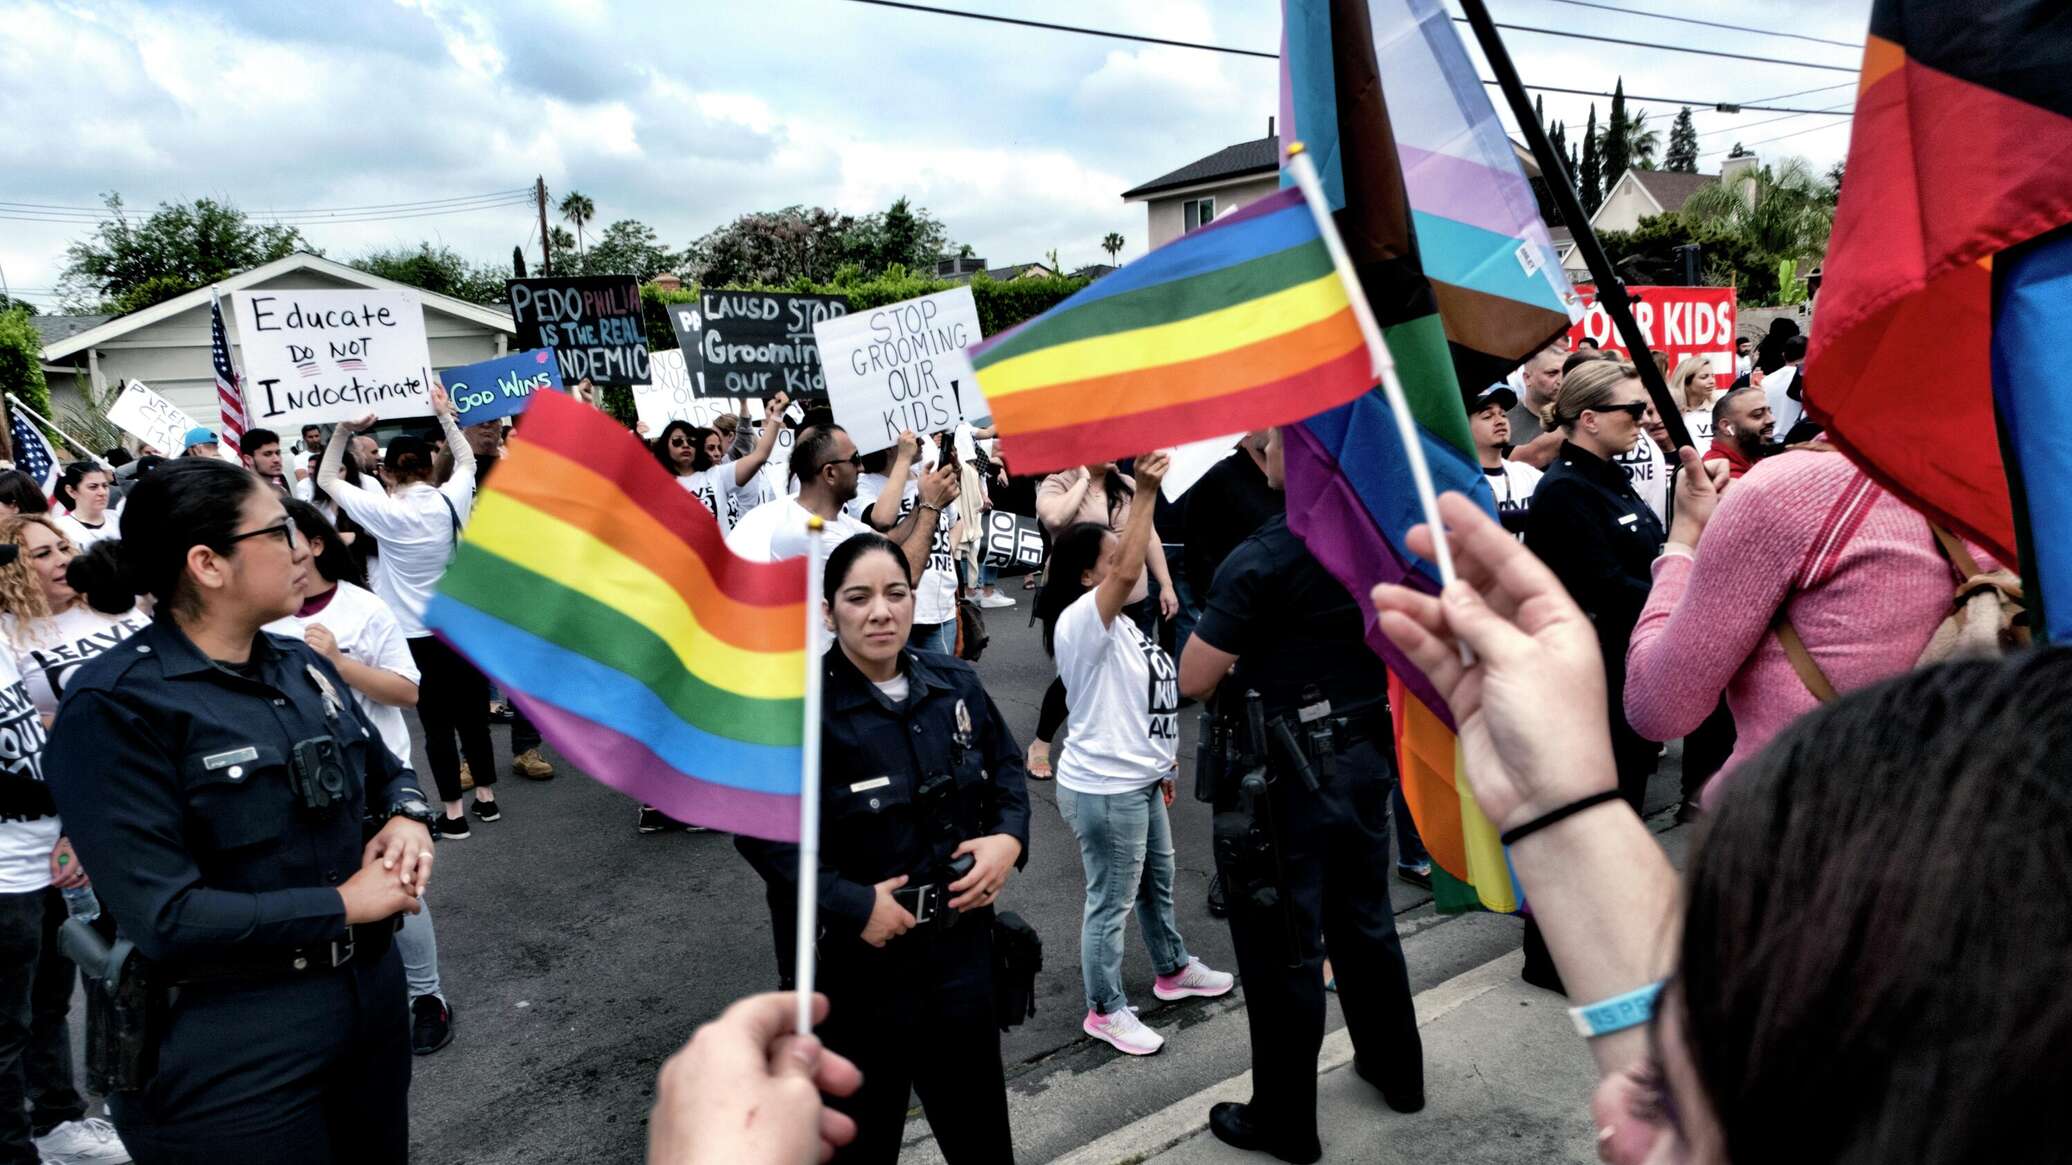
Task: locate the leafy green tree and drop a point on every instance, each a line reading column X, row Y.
column 561, row 246
column 900, row 236
column 1683, row 144
column 1648, row 254
column 8, row 303
column 1591, row 188
column 21, row 360
column 579, row 211
column 1783, row 211
column 630, row 247
column 437, row 269
column 779, row 248
column 128, row 264
column 85, row 419
column 1615, row 153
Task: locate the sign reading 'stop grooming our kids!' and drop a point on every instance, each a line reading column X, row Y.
column 319, row 356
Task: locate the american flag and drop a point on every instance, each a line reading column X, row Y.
column 32, row 454
column 229, row 400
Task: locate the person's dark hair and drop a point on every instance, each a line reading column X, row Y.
column 1119, row 491
column 117, row 457
column 843, row 558
column 409, row 458
column 1795, row 349
column 1074, row 552
column 660, row 445
column 1769, row 354
column 1899, row 996
column 149, row 462
column 187, row 502
column 336, row 563
column 880, row 461
column 1577, row 360
column 700, row 459
column 97, row 573
column 1728, row 403
column 814, row 446
column 21, row 491
column 75, row 473
column 254, row 440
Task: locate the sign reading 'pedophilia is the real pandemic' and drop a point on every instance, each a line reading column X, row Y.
column 594, row 323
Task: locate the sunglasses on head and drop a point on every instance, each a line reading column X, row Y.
column 1635, row 409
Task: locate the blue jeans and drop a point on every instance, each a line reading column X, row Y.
column 419, row 946
column 940, row 637
column 1126, row 845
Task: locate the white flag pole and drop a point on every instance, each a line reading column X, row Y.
column 1384, row 364
column 47, row 423
column 809, row 790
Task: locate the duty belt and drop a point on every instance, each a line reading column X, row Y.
column 283, row 962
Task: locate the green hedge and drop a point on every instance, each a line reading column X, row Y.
column 21, row 360
column 1000, row 307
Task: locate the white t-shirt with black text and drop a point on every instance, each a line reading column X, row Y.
column 1123, row 693
column 717, row 491
column 47, row 651
column 1649, row 473
column 935, row 599
column 1513, row 483
column 775, row 531
column 368, row 633
column 25, row 843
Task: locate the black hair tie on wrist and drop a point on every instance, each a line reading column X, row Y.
column 1514, row 836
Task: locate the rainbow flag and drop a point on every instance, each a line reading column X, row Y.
column 602, row 599
column 1440, row 223
column 1240, row 325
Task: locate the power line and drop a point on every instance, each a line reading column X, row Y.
column 1767, row 141
column 987, row 16
column 1669, row 48
column 1803, row 92
column 1697, row 104
column 99, row 212
column 1710, row 23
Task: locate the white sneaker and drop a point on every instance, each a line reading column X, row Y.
column 1193, row 979
column 995, row 601
column 80, row 1142
column 1124, row 1031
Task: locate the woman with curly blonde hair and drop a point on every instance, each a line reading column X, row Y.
column 50, row 628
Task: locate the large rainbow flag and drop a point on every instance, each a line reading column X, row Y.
column 1240, row 325
column 602, row 599
column 1442, row 226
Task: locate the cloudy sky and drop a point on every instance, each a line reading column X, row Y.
column 688, row 112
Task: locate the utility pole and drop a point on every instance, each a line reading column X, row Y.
column 539, row 189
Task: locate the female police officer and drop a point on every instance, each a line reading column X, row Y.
column 217, row 781
column 925, row 814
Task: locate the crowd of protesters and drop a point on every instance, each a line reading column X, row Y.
column 1754, row 596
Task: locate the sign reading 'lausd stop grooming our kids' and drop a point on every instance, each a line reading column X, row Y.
column 315, row 356
column 500, row 387
column 891, row 368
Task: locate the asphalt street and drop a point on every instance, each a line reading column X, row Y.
column 578, row 955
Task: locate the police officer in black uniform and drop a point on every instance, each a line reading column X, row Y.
column 1302, row 830
column 253, row 840
column 924, row 816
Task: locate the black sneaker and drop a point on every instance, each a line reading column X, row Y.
column 431, row 1025
column 487, row 810
column 1219, row 906
column 652, row 820
column 452, row 828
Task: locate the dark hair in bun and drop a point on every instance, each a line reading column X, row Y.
column 99, row 575
column 409, row 458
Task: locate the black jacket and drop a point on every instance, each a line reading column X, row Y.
column 1601, row 540
column 1230, row 502
column 875, row 759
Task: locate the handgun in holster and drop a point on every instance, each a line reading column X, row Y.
column 126, row 1008
column 1247, row 840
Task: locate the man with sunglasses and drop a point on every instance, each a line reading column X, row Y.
column 827, row 466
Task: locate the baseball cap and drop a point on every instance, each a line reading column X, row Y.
column 1496, row 394
column 197, row 436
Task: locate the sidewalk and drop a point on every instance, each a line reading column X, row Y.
column 1507, row 1079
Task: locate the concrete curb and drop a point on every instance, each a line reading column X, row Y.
column 1176, row 1122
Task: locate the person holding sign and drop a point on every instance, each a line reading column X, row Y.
column 1115, row 778
column 418, row 527
column 697, row 458
column 887, row 494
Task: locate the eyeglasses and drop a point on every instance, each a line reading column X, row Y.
column 285, row 531
column 855, row 459
column 1635, row 409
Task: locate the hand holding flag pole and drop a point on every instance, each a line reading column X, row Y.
column 1305, row 173
column 809, row 787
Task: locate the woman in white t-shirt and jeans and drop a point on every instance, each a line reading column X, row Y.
column 1115, row 777
column 697, row 458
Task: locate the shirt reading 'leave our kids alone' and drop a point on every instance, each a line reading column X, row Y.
column 48, row 651
column 1124, row 696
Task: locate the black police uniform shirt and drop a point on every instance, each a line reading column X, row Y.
column 172, row 773
column 875, row 758
column 1291, row 625
column 1600, row 539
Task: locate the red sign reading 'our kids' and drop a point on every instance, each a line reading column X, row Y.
column 1677, row 321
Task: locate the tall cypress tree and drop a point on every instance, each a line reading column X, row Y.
column 1591, row 187
column 1683, row 144
column 1614, row 153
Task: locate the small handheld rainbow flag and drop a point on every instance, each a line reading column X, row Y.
column 602, row 599
column 1240, row 325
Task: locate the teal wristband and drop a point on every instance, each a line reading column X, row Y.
column 1616, row 1014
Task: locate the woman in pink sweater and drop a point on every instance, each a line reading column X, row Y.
column 1804, row 536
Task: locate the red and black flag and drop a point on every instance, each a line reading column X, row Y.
column 1960, row 169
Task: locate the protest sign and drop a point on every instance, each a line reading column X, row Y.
column 594, row 323
column 886, row 366
column 668, row 395
column 755, row 343
column 955, row 367
column 1012, row 543
column 1192, row 462
column 1677, row 321
column 317, row 356
column 150, row 418
column 501, row 387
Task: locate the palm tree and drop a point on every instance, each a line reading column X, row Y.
column 1782, row 210
column 1113, row 245
column 1641, row 143
column 578, row 210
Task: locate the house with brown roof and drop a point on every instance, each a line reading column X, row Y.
column 1640, row 194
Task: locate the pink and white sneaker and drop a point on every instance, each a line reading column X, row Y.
column 1123, row 1031
column 1194, row 979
